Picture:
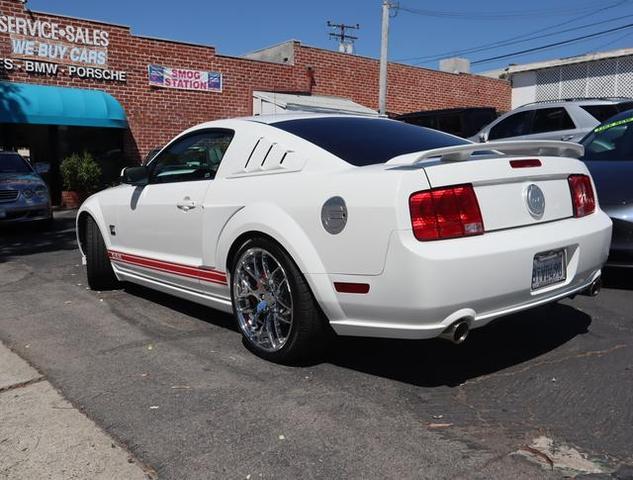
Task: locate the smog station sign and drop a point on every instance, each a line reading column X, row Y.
column 184, row 79
column 49, row 48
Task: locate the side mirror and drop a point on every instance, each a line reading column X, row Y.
column 483, row 137
column 135, row 175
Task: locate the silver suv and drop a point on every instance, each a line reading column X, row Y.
column 553, row 120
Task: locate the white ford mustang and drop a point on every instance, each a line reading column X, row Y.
column 305, row 223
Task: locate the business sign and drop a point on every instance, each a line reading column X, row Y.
column 184, row 79
column 46, row 48
column 47, row 69
column 46, row 41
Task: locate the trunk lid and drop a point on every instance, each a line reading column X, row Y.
column 506, row 196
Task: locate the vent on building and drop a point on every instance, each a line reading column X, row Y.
column 612, row 77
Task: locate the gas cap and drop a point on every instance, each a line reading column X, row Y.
column 334, row 215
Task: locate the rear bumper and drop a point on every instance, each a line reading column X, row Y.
column 426, row 286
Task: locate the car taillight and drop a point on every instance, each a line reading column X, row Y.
column 447, row 212
column 582, row 196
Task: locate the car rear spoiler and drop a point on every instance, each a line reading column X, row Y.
column 458, row 153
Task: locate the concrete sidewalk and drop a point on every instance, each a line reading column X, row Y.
column 44, row 436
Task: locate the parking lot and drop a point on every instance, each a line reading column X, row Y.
column 542, row 394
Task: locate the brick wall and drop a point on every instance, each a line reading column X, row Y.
column 409, row 89
column 156, row 114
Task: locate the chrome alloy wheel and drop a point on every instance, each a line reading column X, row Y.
column 262, row 299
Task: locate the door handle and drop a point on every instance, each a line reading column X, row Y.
column 566, row 138
column 186, row 204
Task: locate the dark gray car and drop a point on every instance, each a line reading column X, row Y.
column 609, row 157
column 24, row 196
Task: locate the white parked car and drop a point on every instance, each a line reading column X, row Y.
column 371, row 227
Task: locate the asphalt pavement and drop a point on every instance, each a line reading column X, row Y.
column 542, row 394
column 43, row 436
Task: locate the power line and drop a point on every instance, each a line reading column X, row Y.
column 552, row 45
column 499, row 15
column 611, row 42
column 617, row 3
column 507, row 43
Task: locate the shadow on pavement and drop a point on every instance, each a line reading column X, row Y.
column 27, row 239
column 620, row 278
column 431, row 363
column 186, row 307
column 428, row 363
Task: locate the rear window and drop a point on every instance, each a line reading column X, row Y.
column 624, row 106
column 366, row 141
column 601, row 112
column 606, row 111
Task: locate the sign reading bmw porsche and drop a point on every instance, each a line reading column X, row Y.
column 184, row 79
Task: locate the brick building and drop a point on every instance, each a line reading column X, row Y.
column 53, row 68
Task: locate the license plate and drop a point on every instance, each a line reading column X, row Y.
column 548, row 269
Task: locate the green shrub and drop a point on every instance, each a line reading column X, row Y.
column 80, row 173
column 69, row 168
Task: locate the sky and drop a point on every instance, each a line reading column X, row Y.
column 420, row 29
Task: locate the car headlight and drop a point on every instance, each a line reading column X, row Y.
column 41, row 191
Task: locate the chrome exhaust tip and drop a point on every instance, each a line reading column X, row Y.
column 594, row 289
column 457, row 332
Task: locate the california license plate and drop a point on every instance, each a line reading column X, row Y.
column 548, row 269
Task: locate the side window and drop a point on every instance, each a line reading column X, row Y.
column 551, row 120
column 513, row 126
column 194, row 157
column 601, row 112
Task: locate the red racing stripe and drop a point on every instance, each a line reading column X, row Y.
column 205, row 274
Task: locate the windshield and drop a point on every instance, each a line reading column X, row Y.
column 367, row 141
column 13, row 163
column 612, row 141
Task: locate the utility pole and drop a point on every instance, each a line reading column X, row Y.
column 346, row 42
column 384, row 48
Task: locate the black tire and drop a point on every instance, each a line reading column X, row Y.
column 98, row 266
column 309, row 330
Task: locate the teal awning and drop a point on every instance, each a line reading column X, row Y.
column 27, row 103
